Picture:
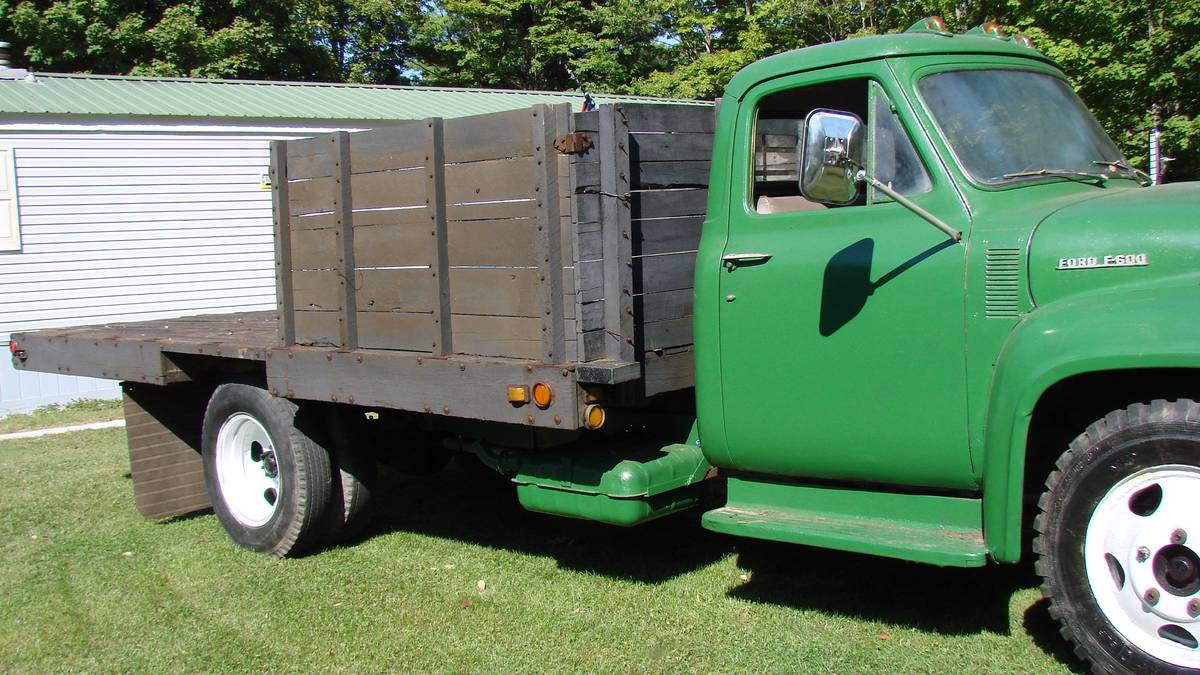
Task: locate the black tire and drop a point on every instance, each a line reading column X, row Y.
column 288, row 525
column 1098, row 540
column 354, row 477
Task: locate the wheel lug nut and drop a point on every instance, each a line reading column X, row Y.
column 1178, row 536
column 1151, row 597
column 1193, row 607
column 1143, row 554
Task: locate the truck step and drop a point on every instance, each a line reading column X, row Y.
column 932, row 529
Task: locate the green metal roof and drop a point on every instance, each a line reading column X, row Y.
column 56, row 94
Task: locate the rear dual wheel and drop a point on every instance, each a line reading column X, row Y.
column 1118, row 537
column 282, row 479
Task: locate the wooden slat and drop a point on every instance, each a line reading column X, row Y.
column 314, row 249
column 525, row 208
column 669, row 117
column 497, row 292
column 666, row 235
column 506, row 336
column 670, row 370
column 389, row 188
column 667, row 333
column 657, row 147
column 392, row 245
column 490, row 180
column 657, row 273
column 491, row 136
column 383, row 290
column 388, row 149
column 668, row 203
column 311, row 196
column 283, row 243
column 548, row 238
column 649, row 175
column 318, row 327
column 343, row 208
column 507, row 243
column 317, row 290
column 615, row 232
column 396, row 330
column 439, row 261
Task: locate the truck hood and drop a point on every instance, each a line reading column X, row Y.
column 1133, row 237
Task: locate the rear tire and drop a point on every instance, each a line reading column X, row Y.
column 354, row 475
column 1117, row 540
column 268, row 480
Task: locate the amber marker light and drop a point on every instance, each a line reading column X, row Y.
column 518, row 394
column 594, row 416
column 935, row 23
column 993, row 29
column 1023, row 40
column 543, row 395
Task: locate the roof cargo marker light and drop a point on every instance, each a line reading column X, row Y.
column 990, row 29
column 930, row 24
column 1023, row 40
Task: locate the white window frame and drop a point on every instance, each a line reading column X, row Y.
column 8, row 198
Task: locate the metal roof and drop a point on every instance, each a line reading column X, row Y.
column 110, row 95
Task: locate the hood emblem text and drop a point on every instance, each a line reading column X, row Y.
column 1097, row 261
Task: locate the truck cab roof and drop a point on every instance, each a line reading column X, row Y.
column 874, row 47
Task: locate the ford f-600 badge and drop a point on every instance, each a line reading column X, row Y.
column 1093, row 262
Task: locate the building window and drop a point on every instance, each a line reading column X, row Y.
column 10, row 226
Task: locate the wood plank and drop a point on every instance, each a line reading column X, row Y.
column 317, row 290
column 314, row 249
column 489, row 136
column 393, row 245
column 507, row 243
column 526, row 208
column 674, row 304
column 439, row 261
column 615, row 232
column 311, row 196
column 667, row 333
column 491, row 180
column 284, row 295
column 389, row 188
column 666, row 235
column 318, row 328
column 587, row 121
column 389, row 148
column 391, row 290
column 396, row 330
column 647, row 175
column 496, row 292
column 670, row 370
column 343, row 208
column 668, row 203
column 669, row 117
column 403, row 215
column 670, row 272
column 548, row 238
column 665, row 146
column 509, row 337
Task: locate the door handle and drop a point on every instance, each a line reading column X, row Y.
column 732, row 260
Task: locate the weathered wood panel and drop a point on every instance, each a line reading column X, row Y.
column 163, row 426
column 395, row 290
column 677, row 118
column 316, row 290
column 397, row 330
column 314, row 249
column 388, row 149
column 389, row 188
column 491, row 180
column 498, row 292
column 504, row 243
column 512, row 337
column 490, row 136
column 393, row 245
column 669, row 370
column 666, row 146
column 657, row 273
column 284, row 292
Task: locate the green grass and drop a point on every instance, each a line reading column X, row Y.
column 59, row 415
column 452, row 576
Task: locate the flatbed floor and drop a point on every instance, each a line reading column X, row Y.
column 167, row 351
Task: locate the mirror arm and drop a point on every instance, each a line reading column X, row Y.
column 861, row 176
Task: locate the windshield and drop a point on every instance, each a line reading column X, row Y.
column 1005, row 122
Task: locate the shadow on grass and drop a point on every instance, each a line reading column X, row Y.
column 471, row 507
column 1044, row 631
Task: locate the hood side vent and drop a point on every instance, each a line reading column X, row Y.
column 1002, row 283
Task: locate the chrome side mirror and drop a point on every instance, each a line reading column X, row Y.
column 831, row 153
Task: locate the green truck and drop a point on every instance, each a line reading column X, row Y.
column 897, row 295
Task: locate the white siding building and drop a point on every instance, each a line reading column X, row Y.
column 133, row 198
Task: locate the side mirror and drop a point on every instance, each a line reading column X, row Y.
column 831, row 151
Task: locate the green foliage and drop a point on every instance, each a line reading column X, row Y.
column 1135, row 62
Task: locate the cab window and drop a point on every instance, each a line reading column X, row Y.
column 779, row 125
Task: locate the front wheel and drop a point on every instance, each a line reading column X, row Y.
column 1118, row 536
column 269, row 481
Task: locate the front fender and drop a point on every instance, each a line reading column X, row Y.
column 1147, row 328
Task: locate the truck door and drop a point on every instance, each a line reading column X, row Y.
column 841, row 328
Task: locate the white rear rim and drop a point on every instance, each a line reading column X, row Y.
column 247, row 470
column 1141, row 562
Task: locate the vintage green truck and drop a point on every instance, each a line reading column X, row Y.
column 897, row 295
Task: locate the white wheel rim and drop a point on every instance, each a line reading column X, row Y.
column 247, row 470
column 1129, row 551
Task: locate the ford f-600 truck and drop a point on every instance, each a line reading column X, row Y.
column 898, row 295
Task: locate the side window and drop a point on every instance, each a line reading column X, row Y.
column 778, row 127
column 10, row 229
column 777, row 130
column 894, row 160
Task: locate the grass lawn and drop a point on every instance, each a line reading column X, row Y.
column 453, row 576
column 75, row 412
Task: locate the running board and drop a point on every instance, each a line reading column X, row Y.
column 931, row 529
